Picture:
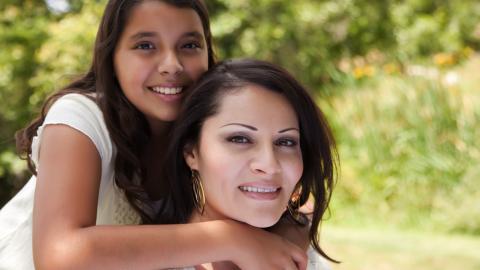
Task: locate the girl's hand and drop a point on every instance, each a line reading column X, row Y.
column 253, row 248
column 293, row 232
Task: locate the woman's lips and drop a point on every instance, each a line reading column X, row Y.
column 260, row 193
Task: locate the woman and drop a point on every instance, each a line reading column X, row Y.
column 251, row 145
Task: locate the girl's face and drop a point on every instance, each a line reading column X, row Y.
column 248, row 157
column 161, row 52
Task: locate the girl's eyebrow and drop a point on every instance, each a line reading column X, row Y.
column 255, row 129
column 194, row 34
column 141, row 35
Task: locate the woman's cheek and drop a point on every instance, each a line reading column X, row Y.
column 293, row 169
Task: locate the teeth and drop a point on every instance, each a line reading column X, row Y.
column 166, row 90
column 258, row 189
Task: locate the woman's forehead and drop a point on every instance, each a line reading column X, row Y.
column 256, row 105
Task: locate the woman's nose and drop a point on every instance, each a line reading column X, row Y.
column 265, row 161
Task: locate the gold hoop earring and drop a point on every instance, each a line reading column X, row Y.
column 294, row 204
column 199, row 194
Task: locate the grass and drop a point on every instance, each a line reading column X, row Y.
column 361, row 249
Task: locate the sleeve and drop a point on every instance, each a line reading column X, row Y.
column 83, row 114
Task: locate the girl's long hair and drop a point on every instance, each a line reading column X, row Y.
column 316, row 141
column 127, row 126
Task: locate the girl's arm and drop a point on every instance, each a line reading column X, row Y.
column 65, row 235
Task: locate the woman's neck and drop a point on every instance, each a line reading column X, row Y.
column 197, row 217
column 208, row 214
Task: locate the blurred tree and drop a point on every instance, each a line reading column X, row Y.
column 27, row 31
column 424, row 27
column 307, row 37
column 22, row 32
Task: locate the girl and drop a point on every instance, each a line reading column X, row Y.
column 250, row 145
column 94, row 150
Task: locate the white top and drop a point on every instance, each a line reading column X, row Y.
column 316, row 261
column 84, row 115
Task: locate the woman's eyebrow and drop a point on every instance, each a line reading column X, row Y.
column 255, row 129
column 288, row 129
column 242, row 125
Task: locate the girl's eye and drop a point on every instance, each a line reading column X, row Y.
column 145, row 46
column 286, row 142
column 192, row 45
column 239, row 139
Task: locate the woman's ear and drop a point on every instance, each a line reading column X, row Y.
column 190, row 154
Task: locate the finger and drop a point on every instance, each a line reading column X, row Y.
column 300, row 259
column 291, row 265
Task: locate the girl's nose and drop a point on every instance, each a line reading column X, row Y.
column 265, row 162
column 170, row 64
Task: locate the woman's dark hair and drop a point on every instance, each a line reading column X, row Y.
column 316, row 140
column 127, row 126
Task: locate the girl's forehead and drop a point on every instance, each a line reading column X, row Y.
column 161, row 16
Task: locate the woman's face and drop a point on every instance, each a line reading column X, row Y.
column 161, row 52
column 248, row 157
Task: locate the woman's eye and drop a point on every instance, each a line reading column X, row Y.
column 286, row 142
column 145, row 46
column 239, row 139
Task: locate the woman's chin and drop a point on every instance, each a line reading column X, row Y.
column 263, row 222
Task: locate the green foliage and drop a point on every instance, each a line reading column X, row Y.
column 61, row 63
column 21, row 34
column 310, row 37
column 425, row 27
column 307, row 37
column 33, row 54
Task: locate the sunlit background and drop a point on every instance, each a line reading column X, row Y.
column 398, row 80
